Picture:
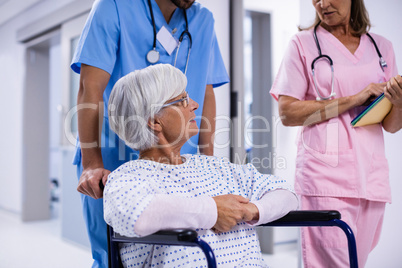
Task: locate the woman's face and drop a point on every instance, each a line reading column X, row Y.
column 178, row 119
column 333, row 12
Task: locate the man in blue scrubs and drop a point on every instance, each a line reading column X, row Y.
column 115, row 41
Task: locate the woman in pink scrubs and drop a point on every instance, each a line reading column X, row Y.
column 338, row 166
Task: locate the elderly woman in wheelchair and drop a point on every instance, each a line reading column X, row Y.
column 152, row 112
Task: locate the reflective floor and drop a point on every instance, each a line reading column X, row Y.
column 39, row 245
column 285, row 256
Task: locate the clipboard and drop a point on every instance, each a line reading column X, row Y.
column 374, row 113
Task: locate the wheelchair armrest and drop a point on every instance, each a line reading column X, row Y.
column 301, row 216
column 171, row 237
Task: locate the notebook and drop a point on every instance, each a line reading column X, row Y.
column 374, row 113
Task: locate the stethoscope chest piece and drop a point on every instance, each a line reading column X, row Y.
column 153, row 56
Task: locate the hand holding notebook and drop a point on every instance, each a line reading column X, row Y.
column 374, row 113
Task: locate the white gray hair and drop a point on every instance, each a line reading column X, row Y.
column 137, row 97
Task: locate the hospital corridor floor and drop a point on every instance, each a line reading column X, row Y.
column 39, row 245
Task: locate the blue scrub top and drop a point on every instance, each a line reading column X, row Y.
column 117, row 36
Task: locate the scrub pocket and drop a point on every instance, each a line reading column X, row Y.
column 327, row 174
column 378, row 186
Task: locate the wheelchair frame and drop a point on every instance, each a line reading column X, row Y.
column 189, row 237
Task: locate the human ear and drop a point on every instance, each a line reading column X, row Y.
column 154, row 124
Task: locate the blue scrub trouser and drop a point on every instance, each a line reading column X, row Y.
column 93, row 208
column 114, row 154
column 96, row 227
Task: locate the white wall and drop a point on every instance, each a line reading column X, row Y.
column 284, row 22
column 12, row 72
column 386, row 21
column 221, row 11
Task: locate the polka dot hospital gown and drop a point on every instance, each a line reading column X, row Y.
column 131, row 187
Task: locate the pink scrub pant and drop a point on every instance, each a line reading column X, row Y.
column 327, row 246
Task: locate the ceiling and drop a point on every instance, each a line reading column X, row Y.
column 11, row 8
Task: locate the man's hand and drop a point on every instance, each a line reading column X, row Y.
column 231, row 210
column 90, row 180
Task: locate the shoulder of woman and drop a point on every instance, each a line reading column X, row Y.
column 203, row 158
column 302, row 39
column 380, row 40
column 303, row 35
column 133, row 166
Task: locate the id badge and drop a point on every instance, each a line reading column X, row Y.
column 167, row 40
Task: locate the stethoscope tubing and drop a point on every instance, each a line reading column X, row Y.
column 153, row 23
column 182, row 35
column 383, row 63
column 320, row 56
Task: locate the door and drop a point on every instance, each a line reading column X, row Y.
column 36, row 140
column 73, row 226
column 257, row 100
column 251, row 105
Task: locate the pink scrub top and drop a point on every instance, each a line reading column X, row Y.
column 334, row 159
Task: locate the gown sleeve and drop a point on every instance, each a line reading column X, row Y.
column 273, row 196
column 133, row 208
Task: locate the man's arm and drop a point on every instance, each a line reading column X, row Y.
column 93, row 82
column 207, row 128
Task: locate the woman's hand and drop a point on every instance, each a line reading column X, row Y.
column 393, row 91
column 253, row 214
column 233, row 209
column 369, row 93
column 90, row 182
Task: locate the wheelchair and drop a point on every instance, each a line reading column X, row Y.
column 189, row 237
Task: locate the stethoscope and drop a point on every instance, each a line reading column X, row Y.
column 153, row 54
column 382, row 62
